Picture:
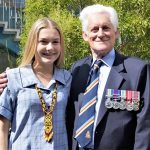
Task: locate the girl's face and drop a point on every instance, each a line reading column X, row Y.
column 48, row 47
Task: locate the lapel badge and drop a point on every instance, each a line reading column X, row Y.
column 88, row 135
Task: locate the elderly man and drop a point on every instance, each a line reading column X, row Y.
column 117, row 116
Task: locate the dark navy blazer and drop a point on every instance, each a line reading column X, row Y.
column 116, row 129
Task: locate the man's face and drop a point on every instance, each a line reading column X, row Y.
column 100, row 34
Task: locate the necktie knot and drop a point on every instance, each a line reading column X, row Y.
column 94, row 70
column 97, row 64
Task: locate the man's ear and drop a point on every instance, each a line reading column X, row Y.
column 117, row 34
column 118, row 37
column 85, row 36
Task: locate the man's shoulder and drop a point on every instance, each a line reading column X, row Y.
column 85, row 60
column 131, row 61
column 82, row 64
column 135, row 66
column 135, row 62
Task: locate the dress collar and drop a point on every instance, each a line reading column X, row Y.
column 29, row 78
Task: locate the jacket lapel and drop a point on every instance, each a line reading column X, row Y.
column 114, row 81
column 82, row 76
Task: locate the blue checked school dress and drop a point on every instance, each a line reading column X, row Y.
column 20, row 104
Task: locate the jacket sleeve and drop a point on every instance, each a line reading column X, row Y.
column 142, row 133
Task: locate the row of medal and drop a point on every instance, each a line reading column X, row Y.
column 122, row 99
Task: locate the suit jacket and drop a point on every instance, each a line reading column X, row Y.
column 115, row 129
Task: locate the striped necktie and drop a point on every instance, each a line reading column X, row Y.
column 85, row 122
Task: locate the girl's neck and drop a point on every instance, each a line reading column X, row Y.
column 43, row 73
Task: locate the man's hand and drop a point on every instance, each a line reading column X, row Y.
column 3, row 81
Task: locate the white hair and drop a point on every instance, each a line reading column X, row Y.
column 98, row 9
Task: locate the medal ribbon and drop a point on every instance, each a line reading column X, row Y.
column 109, row 93
column 129, row 96
column 48, row 118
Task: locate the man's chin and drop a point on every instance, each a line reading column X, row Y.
column 100, row 53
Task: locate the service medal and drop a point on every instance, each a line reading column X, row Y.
column 122, row 105
column 129, row 106
column 136, row 100
column 116, row 98
column 108, row 102
column 115, row 105
column 135, row 106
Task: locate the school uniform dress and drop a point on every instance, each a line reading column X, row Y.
column 114, row 128
column 20, row 104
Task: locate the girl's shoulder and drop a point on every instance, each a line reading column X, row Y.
column 62, row 74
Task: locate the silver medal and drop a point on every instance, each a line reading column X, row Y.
column 108, row 103
column 129, row 106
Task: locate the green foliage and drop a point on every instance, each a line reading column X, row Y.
column 75, row 48
column 134, row 25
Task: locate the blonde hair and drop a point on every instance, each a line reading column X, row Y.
column 32, row 41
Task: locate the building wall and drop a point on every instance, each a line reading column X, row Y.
column 7, row 40
column 9, row 50
column 7, row 59
column 10, row 13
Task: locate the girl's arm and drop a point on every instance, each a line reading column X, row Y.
column 4, row 131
